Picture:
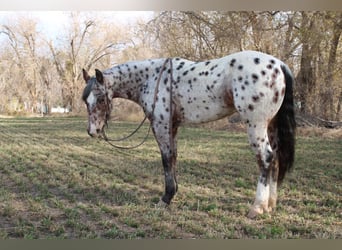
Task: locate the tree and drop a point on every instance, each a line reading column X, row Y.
column 29, row 84
column 88, row 42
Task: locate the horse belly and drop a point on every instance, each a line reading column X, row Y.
column 200, row 109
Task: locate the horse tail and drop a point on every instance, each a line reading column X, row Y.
column 286, row 127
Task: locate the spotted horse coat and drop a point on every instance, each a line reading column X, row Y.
column 257, row 85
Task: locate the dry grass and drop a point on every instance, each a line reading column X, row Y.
column 59, row 183
column 320, row 132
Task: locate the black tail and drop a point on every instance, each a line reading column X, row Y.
column 286, row 125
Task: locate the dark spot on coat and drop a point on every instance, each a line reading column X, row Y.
column 255, row 98
column 263, row 72
column 269, row 66
column 213, row 67
column 206, row 63
column 240, row 67
column 272, row 84
column 283, row 91
column 193, row 68
column 256, row 60
column 255, row 78
column 250, row 107
column 232, row 62
column 276, row 96
column 180, row 66
column 185, row 73
column 272, row 61
column 240, row 78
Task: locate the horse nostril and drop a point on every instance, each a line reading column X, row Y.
column 98, row 131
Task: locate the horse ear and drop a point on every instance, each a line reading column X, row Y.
column 99, row 76
column 86, row 77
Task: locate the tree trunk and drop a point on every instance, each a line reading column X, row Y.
column 306, row 77
column 338, row 111
column 328, row 100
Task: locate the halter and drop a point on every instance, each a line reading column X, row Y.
column 156, row 90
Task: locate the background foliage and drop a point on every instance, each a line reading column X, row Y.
column 37, row 73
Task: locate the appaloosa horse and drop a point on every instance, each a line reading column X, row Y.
column 175, row 91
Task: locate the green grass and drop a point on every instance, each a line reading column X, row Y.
column 56, row 182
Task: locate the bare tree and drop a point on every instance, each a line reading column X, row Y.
column 87, row 43
column 24, row 42
column 36, row 70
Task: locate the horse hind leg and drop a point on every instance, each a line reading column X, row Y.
column 259, row 142
column 272, row 135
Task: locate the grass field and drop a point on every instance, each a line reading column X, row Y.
column 56, row 182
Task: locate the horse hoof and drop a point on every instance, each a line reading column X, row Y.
column 162, row 204
column 253, row 213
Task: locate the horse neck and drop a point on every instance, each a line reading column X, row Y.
column 128, row 80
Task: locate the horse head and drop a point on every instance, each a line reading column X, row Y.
column 99, row 104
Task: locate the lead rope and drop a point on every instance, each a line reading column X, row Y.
column 156, row 90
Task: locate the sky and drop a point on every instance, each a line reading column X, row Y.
column 52, row 23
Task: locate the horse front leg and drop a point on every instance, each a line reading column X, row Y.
column 168, row 148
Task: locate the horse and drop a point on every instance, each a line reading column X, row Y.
column 175, row 91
